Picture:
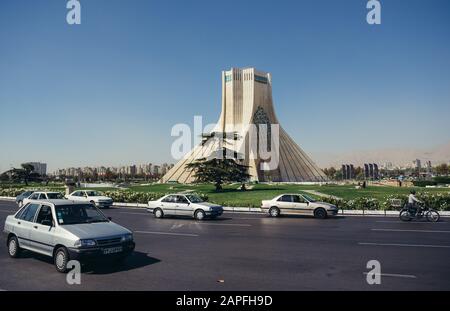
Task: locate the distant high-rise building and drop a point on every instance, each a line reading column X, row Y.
column 348, row 171
column 39, row 168
column 376, row 173
column 156, row 170
column 371, row 171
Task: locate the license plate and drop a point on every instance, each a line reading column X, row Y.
column 112, row 250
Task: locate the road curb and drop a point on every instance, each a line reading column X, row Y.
column 257, row 210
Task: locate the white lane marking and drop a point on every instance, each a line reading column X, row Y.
column 167, row 233
column 253, row 218
column 134, row 213
column 409, row 276
column 411, row 230
column 217, row 224
column 404, row 245
column 177, row 226
column 404, row 222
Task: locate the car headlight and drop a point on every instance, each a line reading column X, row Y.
column 85, row 243
column 127, row 237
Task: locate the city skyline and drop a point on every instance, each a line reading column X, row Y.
column 340, row 84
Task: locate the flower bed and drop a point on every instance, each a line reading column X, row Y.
column 438, row 201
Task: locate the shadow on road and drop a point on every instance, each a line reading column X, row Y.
column 135, row 261
column 191, row 219
column 310, row 217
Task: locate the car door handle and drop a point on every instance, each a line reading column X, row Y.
column 35, row 227
column 18, row 222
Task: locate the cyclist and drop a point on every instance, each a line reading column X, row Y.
column 413, row 206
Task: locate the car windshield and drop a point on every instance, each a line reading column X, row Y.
column 308, row 198
column 194, row 198
column 78, row 214
column 92, row 194
column 54, row 195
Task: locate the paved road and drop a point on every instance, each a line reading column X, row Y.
column 254, row 252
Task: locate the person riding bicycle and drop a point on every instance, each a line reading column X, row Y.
column 413, row 207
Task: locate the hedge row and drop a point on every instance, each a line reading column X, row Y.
column 438, row 201
column 138, row 197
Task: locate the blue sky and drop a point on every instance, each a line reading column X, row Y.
column 108, row 91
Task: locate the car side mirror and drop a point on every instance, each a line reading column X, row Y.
column 109, row 218
column 307, row 203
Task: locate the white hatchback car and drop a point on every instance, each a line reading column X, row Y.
column 66, row 230
column 41, row 196
column 91, row 196
column 298, row 204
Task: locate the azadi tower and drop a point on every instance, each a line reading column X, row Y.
column 247, row 104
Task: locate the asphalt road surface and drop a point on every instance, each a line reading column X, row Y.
column 253, row 252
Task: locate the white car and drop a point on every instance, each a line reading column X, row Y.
column 91, row 196
column 66, row 230
column 41, row 196
column 184, row 205
column 298, row 204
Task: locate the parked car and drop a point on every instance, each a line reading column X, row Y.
column 66, row 230
column 23, row 196
column 43, row 196
column 298, row 204
column 184, row 205
column 91, row 196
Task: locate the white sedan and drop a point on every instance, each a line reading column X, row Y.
column 41, row 196
column 91, row 196
column 184, row 205
column 298, row 204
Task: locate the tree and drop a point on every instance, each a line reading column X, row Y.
column 442, row 169
column 219, row 171
column 25, row 173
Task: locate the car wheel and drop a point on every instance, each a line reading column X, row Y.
column 61, row 258
column 13, row 247
column 20, row 203
column 320, row 213
column 274, row 211
column 199, row 215
column 159, row 213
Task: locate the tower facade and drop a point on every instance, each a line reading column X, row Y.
column 246, row 125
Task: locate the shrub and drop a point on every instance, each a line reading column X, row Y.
column 442, row 179
column 424, row 183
